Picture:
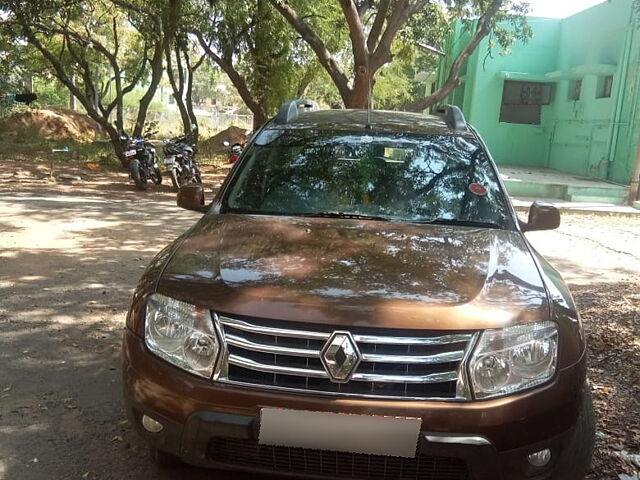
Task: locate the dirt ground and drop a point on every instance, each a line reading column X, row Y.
column 71, row 254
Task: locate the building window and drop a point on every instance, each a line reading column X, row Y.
column 575, row 89
column 605, row 86
column 522, row 101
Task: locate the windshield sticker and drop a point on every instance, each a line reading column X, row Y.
column 478, row 189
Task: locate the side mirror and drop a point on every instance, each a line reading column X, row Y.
column 542, row 216
column 191, row 197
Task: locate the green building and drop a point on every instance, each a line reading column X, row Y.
column 568, row 100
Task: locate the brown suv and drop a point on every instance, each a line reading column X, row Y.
column 360, row 301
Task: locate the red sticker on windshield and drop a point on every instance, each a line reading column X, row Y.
column 478, row 189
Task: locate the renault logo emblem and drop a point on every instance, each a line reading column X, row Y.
column 340, row 356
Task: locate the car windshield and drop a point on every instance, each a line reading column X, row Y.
column 395, row 177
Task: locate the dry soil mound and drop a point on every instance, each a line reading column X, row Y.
column 214, row 145
column 50, row 124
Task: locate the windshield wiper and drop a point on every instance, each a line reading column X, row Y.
column 355, row 216
column 462, row 223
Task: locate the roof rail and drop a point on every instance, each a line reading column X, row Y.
column 289, row 110
column 453, row 117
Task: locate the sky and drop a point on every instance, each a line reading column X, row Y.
column 560, row 8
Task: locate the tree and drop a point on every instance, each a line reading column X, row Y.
column 95, row 47
column 374, row 26
column 253, row 46
column 182, row 79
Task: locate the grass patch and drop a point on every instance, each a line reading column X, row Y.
column 98, row 153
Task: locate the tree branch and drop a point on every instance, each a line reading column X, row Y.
column 356, row 33
column 237, row 80
column 400, row 13
column 483, row 28
column 378, row 23
column 325, row 57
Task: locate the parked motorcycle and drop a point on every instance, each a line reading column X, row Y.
column 143, row 164
column 234, row 152
column 179, row 158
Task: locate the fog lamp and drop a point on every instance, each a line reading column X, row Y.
column 151, row 425
column 540, row 459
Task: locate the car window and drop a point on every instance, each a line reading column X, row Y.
column 395, row 177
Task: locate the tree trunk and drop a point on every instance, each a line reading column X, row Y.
column 259, row 119
column 118, row 146
column 360, row 94
column 72, row 97
column 177, row 85
column 260, row 115
column 28, row 83
column 193, row 120
column 156, row 76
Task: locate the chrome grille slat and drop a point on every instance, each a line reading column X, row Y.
column 248, row 363
column 279, row 332
column 260, row 347
column 393, row 340
column 394, row 363
column 433, row 378
column 455, row 356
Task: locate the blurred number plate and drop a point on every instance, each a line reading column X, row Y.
column 169, row 160
column 130, row 153
column 394, row 436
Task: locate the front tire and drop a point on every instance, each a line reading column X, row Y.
column 157, row 176
column 136, row 175
column 576, row 459
column 173, row 174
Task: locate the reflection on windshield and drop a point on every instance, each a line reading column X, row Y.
column 395, row 177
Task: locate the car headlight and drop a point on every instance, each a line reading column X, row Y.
column 182, row 334
column 515, row 358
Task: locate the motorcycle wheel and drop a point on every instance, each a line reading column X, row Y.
column 157, row 176
column 138, row 179
column 174, row 178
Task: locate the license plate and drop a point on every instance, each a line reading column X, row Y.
column 169, row 160
column 375, row 435
column 130, row 153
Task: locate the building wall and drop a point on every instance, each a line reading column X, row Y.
column 510, row 143
column 582, row 130
column 591, row 136
column 626, row 135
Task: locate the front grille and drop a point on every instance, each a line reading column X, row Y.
column 395, row 363
column 306, row 462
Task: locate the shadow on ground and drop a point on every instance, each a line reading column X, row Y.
column 69, row 259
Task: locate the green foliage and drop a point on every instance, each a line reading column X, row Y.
column 50, row 92
column 132, row 100
column 263, row 49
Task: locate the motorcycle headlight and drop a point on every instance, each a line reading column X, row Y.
column 182, row 334
column 512, row 359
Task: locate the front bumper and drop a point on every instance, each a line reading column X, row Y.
column 205, row 423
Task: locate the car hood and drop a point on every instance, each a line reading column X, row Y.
column 357, row 272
